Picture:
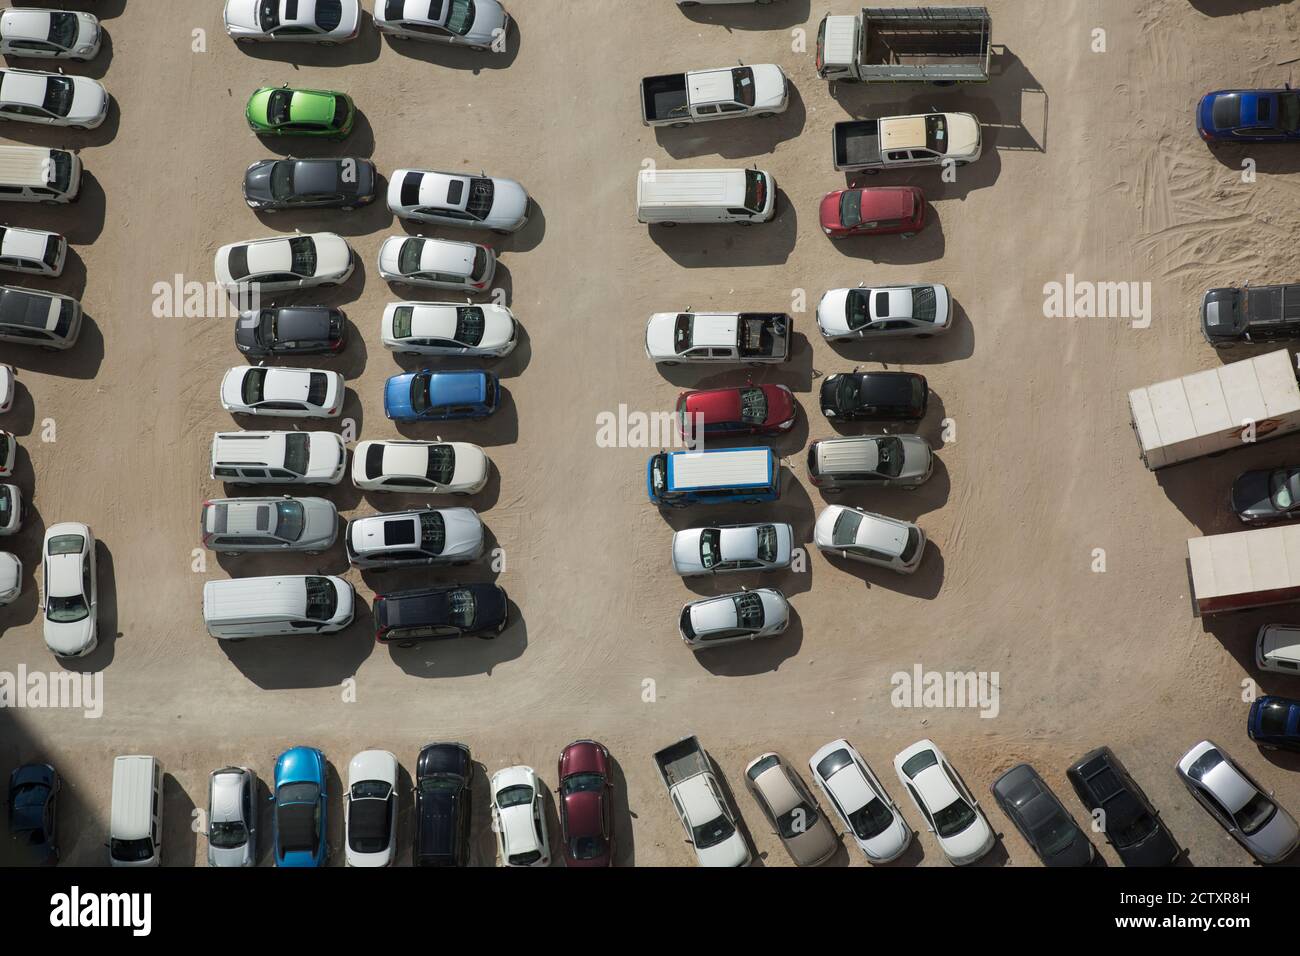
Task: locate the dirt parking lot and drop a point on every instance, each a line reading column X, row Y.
column 1092, row 168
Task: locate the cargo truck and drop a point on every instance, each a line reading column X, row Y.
column 709, row 821
column 938, row 45
column 1212, row 411
column 1245, row 569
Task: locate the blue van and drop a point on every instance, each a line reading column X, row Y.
column 680, row 478
column 430, row 396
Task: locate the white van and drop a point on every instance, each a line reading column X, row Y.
column 273, row 606
column 135, row 822
column 38, row 174
column 1277, row 648
column 668, row 196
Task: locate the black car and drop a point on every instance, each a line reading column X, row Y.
column 443, row 805
column 33, row 812
column 428, row 614
column 1253, row 314
column 295, row 330
column 1041, row 819
column 1268, row 494
column 1131, row 824
column 851, row 396
column 273, row 184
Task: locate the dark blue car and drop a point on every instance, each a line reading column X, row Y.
column 300, row 804
column 1274, row 722
column 430, row 396
column 33, row 813
column 1249, row 116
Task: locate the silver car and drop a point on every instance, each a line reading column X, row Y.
column 743, row 616
column 54, row 34
column 421, row 537
column 874, row 539
column 232, row 817
column 477, row 24
column 870, row 461
column 458, row 199
column 729, row 548
column 235, row 525
column 1242, row 807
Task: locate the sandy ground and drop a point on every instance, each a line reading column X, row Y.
column 1091, row 167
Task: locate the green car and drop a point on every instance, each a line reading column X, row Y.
column 280, row 111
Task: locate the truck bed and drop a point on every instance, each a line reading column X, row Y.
column 765, row 335
column 681, row 761
column 935, row 44
column 856, row 144
column 662, row 95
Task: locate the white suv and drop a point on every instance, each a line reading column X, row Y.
column 32, row 251
column 278, row 458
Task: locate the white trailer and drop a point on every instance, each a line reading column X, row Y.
column 1215, row 410
column 1245, row 569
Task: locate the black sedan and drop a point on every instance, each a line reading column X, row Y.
column 1041, row 819
column 296, row 330
column 443, row 805
column 274, row 184
column 893, row 396
column 1267, row 495
column 33, row 812
column 1130, row 823
column 429, row 614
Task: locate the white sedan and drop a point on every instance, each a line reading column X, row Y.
column 282, row 392
column 887, row 311
column 446, row 328
column 28, row 96
column 439, row 263
column 477, row 24
column 445, row 468
column 11, row 509
column 370, row 809
column 300, row 21
column 11, row 578
column 861, row 802
column 458, row 199
column 282, row 263
column 53, row 34
column 8, row 453
column 1240, row 805
column 70, row 600
column 951, row 812
column 7, row 381
column 728, row 618
column 731, row 548
column 519, row 819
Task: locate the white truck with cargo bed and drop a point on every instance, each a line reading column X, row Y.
column 1245, row 569
column 700, row 96
column 939, row 45
column 710, row 824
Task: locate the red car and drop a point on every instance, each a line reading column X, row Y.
column 873, row 211
column 747, row 410
column 586, row 798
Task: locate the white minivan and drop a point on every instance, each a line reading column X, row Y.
column 667, row 197
column 273, row 606
column 135, row 820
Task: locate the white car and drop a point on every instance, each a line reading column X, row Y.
column 282, row 263
column 887, row 311
column 698, row 3
column 951, row 812
column 8, row 453
column 1242, row 807
column 370, row 809
column 446, row 328
column 458, row 199
column 477, row 24
column 445, row 468
column 438, row 263
column 279, row 458
column 282, row 392
column 32, row 251
column 870, row 817
column 519, row 818
column 11, row 509
column 423, row 537
column 728, row 618
column 1277, row 648
column 69, row 603
column 7, row 387
column 28, row 96
column 724, row 549
column 302, row 21
column 874, row 539
column 55, row 34
column 11, row 578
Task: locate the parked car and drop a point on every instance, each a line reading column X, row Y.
column 45, row 319
column 284, row 263
column 858, row 535
column 430, row 395
column 444, row 802
column 7, row 385
column 437, row 613
column 869, row 815
column 448, row 329
column 281, row 111
column 278, row 392
column 754, row 338
column 11, row 509
column 1256, row 314
column 447, row 468
column 232, row 817
column 32, row 251
column 370, row 809
column 278, row 458
column 1267, row 494
column 326, row 22
column 301, row 808
column 728, row 618
column 586, row 804
column 49, row 34
column 890, row 311
column 1277, row 648
column 872, row 461
column 290, row 330
column 950, row 810
column 1239, row 804
column 459, row 199
column 11, row 578
column 234, row 526
column 791, row 811
column 1041, row 818
column 724, row 549
column 70, row 598
column 8, row 453
column 272, row 185
column 1249, row 116
column 52, row 99
column 702, row 96
column 1129, row 821
column 33, row 804
column 477, row 24
column 731, row 412
column 875, row 396
column 873, row 211
column 437, row 263
column 1274, row 723
column 422, row 537
column 519, row 819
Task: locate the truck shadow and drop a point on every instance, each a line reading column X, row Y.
column 729, row 246
column 773, row 16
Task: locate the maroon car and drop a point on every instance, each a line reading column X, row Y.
column 586, row 811
column 873, row 211
column 747, row 410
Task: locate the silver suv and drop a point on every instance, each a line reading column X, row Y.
column 416, row 538
column 236, row 525
column 875, row 461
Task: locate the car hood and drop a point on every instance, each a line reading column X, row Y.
column 463, row 532
column 730, row 852
column 660, row 335
column 1278, row 838
column 70, row 640
column 373, row 765
column 1220, row 315
column 890, row 844
column 832, row 314
column 963, row 136
column 489, row 16
column 236, row 856
column 829, row 211
column 970, row 844
column 769, row 86
column 509, row 201
column 397, row 394
column 242, row 15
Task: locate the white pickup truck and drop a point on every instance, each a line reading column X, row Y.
column 710, row 824
column 900, row 142
column 699, row 96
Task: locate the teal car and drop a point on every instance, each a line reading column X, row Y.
column 281, row 111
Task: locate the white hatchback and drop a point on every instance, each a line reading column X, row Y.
column 519, row 819
column 7, row 387
column 49, row 34
column 454, row 467
column 11, row 578
column 728, row 618
column 438, row 263
column 32, row 251
column 448, row 328
column 282, row 392
column 11, row 509
column 8, row 453
column 875, row 539
column 69, row 603
column 51, row 99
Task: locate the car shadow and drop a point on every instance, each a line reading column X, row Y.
column 737, row 139
column 460, row 58
column 464, row 656
column 697, row 246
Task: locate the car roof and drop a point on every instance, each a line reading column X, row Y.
column 887, row 202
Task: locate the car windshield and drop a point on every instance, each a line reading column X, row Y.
column 290, row 518
column 282, row 181
column 433, row 532
column 297, row 452
column 847, row 392
column 518, row 795
column 1288, row 111
column 469, row 325
column 461, row 608
column 1282, row 488
column 936, row 133
column 129, row 851
column 954, row 818
column 302, row 251
column 227, row 835
column 6, row 506
column 871, row 819
column 587, row 847
column 277, row 107
column 322, row 599
column 442, row 464
column 408, row 260
column 66, row 610
column 402, row 321
column 710, row 547
column 460, row 17
column 481, row 194
column 1273, row 716
column 742, row 81
column 889, row 457
column 1054, row 834
column 845, row 531
column 420, row 393
column 253, row 386
column 712, row 833
column 63, row 28
column 850, row 207
column 329, row 14
column 65, row 544
column 767, row 543
column 924, row 303
column 755, row 190
column 749, row 611
column 582, row 783
column 753, row 406
column 58, row 95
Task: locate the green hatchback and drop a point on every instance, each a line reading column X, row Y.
column 281, row 111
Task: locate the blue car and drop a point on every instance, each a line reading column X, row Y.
column 300, row 803
column 33, row 813
column 429, row 396
column 1274, row 722
column 1249, row 116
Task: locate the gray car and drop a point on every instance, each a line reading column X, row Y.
column 232, row 817
column 275, row 184
column 870, row 461
column 235, row 525
column 1245, row 809
column 421, row 537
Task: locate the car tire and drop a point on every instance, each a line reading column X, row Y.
column 765, row 115
column 670, row 364
column 679, row 125
column 233, row 554
column 406, row 643
column 501, row 232
column 669, row 225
